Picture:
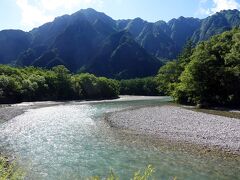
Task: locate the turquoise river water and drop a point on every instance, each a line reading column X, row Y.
column 72, row 141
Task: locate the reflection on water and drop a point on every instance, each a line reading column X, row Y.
column 71, row 141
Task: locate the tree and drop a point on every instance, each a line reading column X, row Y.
column 34, row 84
column 168, row 75
column 63, row 82
column 145, row 86
column 9, row 89
column 212, row 77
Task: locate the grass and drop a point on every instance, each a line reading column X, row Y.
column 146, row 175
column 9, row 170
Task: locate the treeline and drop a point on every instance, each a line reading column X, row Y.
column 35, row 84
column 144, row 87
column 208, row 75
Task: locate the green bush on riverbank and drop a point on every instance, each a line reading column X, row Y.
column 9, row 171
column 35, row 84
column 145, row 175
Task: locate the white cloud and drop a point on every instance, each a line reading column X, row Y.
column 67, row 4
column 218, row 5
column 224, row 4
column 35, row 13
column 32, row 15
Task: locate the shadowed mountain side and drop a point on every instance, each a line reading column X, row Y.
column 12, row 43
column 84, row 41
column 123, row 58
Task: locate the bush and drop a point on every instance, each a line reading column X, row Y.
column 148, row 172
column 9, row 171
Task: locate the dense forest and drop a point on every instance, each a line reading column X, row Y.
column 208, row 75
column 140, row 86
column 34, row 84
column 37, row 84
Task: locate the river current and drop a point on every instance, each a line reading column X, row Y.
column 72, row 141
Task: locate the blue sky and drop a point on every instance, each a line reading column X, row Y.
column 26, row 14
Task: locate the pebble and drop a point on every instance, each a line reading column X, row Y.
column 179, row 124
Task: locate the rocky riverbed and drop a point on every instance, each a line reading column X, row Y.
column 181, row 125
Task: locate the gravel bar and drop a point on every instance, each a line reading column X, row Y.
column 181, row 125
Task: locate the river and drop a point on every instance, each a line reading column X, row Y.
column 72, row 141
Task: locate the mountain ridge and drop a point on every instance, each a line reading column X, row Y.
column 74, row 40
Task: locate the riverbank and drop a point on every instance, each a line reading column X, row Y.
column 168, row 122
column 70, row 141
column 10, row 111
column 9, row 170
column 181, row 125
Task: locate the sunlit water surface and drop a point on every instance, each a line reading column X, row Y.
column 72, row 141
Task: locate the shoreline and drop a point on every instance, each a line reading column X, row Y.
column 10, row 111
column 176, row 124
column 167, row 122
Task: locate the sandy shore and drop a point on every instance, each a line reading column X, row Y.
column 181, row 125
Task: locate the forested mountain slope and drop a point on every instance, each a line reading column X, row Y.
column 91, row 41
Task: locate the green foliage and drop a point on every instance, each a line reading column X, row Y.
column 93, row 87
column 9, row 171
column 62, row 82
column 146, row 86
column 31, row 84
column 168, row 75
column 146, row 175
column 213, row 75
column 209, row 75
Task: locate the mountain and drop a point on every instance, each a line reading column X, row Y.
column 123, row 58
column 182, row 29
column 161, row 39
column 91, row 41
column 12, row 43
column 217, row 24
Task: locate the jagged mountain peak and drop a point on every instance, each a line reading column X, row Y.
column 93, row 15
column 88, row 37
